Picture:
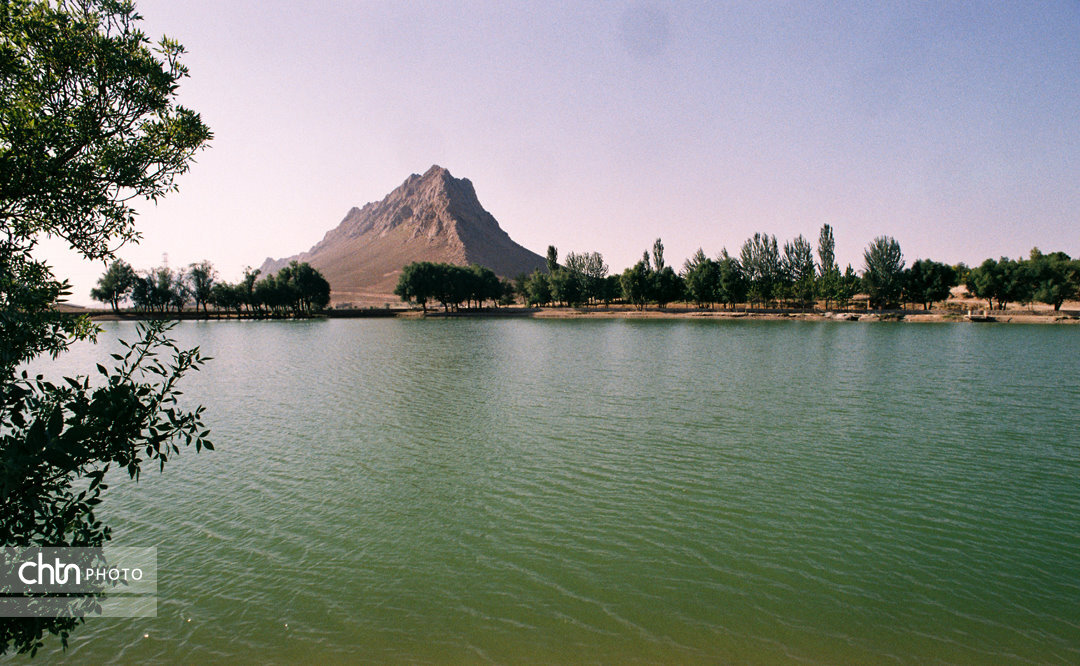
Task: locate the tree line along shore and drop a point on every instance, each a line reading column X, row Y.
column 763, row 277
column 297, row 290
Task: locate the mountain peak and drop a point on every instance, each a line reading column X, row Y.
column 437, row 170
column 432, row 204
column 433, row 217
column 436, row 177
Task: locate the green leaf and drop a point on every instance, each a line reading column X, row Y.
column 56, row 423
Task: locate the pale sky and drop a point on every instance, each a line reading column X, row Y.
column 599, row 126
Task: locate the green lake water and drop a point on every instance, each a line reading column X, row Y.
column 612, row 491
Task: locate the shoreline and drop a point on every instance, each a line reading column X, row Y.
column 912, row 316
column 621, row 312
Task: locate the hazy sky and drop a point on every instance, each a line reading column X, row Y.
column 952, row 126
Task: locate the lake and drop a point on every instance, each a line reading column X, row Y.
column 516, row 490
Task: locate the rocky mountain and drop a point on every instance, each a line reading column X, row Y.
column 433, row 217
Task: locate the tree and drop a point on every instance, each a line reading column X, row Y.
column 248, row 292
column 296, row 290
column 521, row 287
column 115, row 284
column 269, row 295
column 927, row 282
column 161, row 289
column 658, row 255
column 611, row 289
column 591, row 271
column 732, row 286
column 984, row 281
column 595, row 273
column 141, row 294
column 538, row 289
column 485, row 285
column 419, row 282
column 828, row 273
column 883, row 272
column 636, row 284
column 940, row 279
column 667, row 286
column 228, row 296
column 154, row 290
column 962, row 271
column 1018, row 282
column 798, row 269
column 760, row 261
column 201, row 278
column 914, row 284
column 552, row 258
column 313, row 290
column 850, row 284
column 454, row 286
column 566, row 286
column 1056, row 278
column 180, row 292
column 1004, row 280
column 88, row 124
column 507, row 293
column 575, row 263
column 702, row 277
column 166, row 289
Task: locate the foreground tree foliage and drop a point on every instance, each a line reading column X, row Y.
column 88, row 123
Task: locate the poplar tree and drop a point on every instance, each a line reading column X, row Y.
column 828, row 273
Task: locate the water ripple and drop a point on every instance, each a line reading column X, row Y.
column 618, row 491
